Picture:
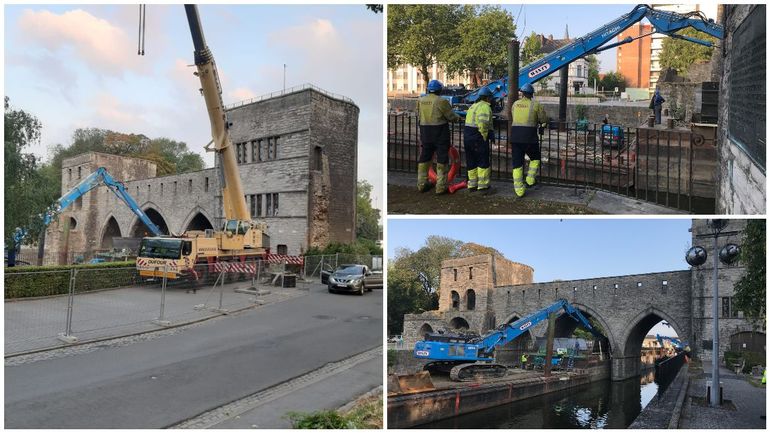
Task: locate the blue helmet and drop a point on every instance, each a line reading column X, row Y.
column 435, row 86
column 485, row 91
column 527, row 88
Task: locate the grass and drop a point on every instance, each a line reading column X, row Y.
column 365, row 414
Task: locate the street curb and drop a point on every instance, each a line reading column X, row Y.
column 676, row 414
column 349, row 405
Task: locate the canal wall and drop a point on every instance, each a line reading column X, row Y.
column 412, row 410
column 664, row 410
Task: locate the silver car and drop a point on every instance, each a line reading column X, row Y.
column 354, row 278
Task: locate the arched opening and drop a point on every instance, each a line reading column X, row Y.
column 455, row 300
column 425, row 329
column 470, row 298
column 199, row 222
column 459, row 323
column 73, row 223
column 140, row 230
column 641, row 354
column 511, row 352
column 572, row 338
column 111, row 230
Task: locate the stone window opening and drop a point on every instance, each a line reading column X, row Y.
column 455, row 300
column 275, row 204
column 80, row 170
column 318, row 163
column 259, row 205
column 283, row 249
column 161, row 188
column 268, row 204
column 254, row 148
column 538, row 294
column 69, row 175
column 175, row 183
column 73, row 223
column 206, row 184
column 455, row 272
column 639, row 284
column 470, row 273
column 148, row 189
column 470, row 298
column 664, row 287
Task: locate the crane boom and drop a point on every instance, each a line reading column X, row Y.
column 233, row 200
column 664, row 22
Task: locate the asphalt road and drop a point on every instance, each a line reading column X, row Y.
column 160, row 382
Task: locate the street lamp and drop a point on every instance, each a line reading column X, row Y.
column 696, row 256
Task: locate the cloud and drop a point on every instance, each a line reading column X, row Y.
column 242, row 94
column 112, row 114
column 103, row 46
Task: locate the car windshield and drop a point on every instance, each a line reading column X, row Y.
column 161, row 248
column 350, row 270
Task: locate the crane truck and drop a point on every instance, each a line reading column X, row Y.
column 665, row 22
column 239, row 238
column 469, row 357
column 99, row 177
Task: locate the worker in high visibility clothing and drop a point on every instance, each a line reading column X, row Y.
column 523, row 361
column 434, row 114
column 477, row 133
column 527, row 119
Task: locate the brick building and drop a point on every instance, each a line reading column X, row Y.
column 297, row 159
column 634, row 58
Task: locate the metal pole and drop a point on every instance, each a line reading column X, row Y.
column 222, row 288
column 70, row 302
column 162, row 319
column 549, row 345
column 284, row 77
column 715, row 311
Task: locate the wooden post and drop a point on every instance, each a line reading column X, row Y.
column 549, row 345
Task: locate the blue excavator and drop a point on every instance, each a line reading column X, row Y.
column 99, row 177
column 665, row 22
column 677, row 343
column 468, row 357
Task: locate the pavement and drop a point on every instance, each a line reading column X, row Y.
column 599, row 201
column 749, row 403
column 163, row 381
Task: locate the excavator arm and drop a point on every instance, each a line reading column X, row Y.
column 664, row 22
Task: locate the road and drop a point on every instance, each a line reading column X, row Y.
column 163, row 381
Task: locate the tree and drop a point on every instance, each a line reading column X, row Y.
column 27, row 194
column 375, row 8
column 680, row 54
column 483, row 42
column 531, row 49
column 593, row 69
column 750, row 291
column 612, row 80
column 367, row 217
column 422, row 34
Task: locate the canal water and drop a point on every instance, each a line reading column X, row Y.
column 600, row 405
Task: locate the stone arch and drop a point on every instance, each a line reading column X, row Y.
column 637, row 328
column 139, row 230
column 470, row 300
column 522, row 343
column 565, row 326
column 425, row 329
column 110, row 229
column 459, row 323
column 455, row 300
column 197, row 219
column 73, row 223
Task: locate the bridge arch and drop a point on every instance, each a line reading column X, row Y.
column 197, row 219
column 637, row 328
column 139, row 230
column 459, row 323
column 565, row 326
column 110, row 229
column 424, row 329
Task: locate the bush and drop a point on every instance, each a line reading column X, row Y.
column 751, row 358
column 360, row 247
column 365, row 415
column 54, row 280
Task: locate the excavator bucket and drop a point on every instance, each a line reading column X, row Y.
column 412, row 383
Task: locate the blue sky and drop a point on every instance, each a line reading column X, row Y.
column 77, row 66
column 564, row 249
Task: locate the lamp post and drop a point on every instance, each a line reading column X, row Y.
column 696, row 256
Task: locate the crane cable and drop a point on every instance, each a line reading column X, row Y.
column 142, row 27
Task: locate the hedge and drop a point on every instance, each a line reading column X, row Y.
column 26, row 282
column 751, row 358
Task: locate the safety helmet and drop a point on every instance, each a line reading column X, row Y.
column 435, row 86
column 485, row 91
column 527, row 88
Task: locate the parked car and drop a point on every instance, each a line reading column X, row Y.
column 325, row 272
column 354, row 278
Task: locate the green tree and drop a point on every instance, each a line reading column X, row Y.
column 27, row 194
column 680, row 54
column 375, row 8
column 593, row 69
column 612, row 80
column 530, row 49
column 422, row 34
column 367, row 217
column 750, row 291
column 484, row 40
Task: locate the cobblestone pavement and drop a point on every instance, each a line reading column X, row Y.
column 35, row 324
column 749, row 402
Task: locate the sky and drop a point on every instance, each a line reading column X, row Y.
column 566, row 249
column 77, row 67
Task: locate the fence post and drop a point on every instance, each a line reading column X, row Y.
column 67, row 336
column 222, row 290
column 161, row 320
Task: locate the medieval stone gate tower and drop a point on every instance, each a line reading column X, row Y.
column 297, row 157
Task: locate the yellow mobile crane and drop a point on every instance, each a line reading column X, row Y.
column 240, row 237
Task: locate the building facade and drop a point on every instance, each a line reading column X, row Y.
column 407, row 80
column 296, row 155
column 577, row 75
column 634, row 59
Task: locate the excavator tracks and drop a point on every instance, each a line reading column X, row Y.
column 475, row 371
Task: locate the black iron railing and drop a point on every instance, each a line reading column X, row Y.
column 673, row 168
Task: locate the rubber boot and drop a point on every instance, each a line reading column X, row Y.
column 518, row 181
column 532, row 172
column 422, row 176
column 472, row 180
column 441, row 178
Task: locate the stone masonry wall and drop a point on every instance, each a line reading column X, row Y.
column 742, row 183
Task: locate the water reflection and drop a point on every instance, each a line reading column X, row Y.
column 600, row 405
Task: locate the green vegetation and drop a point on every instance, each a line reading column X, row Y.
column 747, row 359
column 612, row 80
column 680, row 54
column 366, row 414
column 367, row 217
column 751, row 289
column 20, row 282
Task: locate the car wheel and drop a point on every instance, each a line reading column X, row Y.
column 330, row 289
column 361, row 290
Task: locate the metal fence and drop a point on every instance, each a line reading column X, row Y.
column 93, row 304
column 673, row 168
column 29, row 257
column 315, row 264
